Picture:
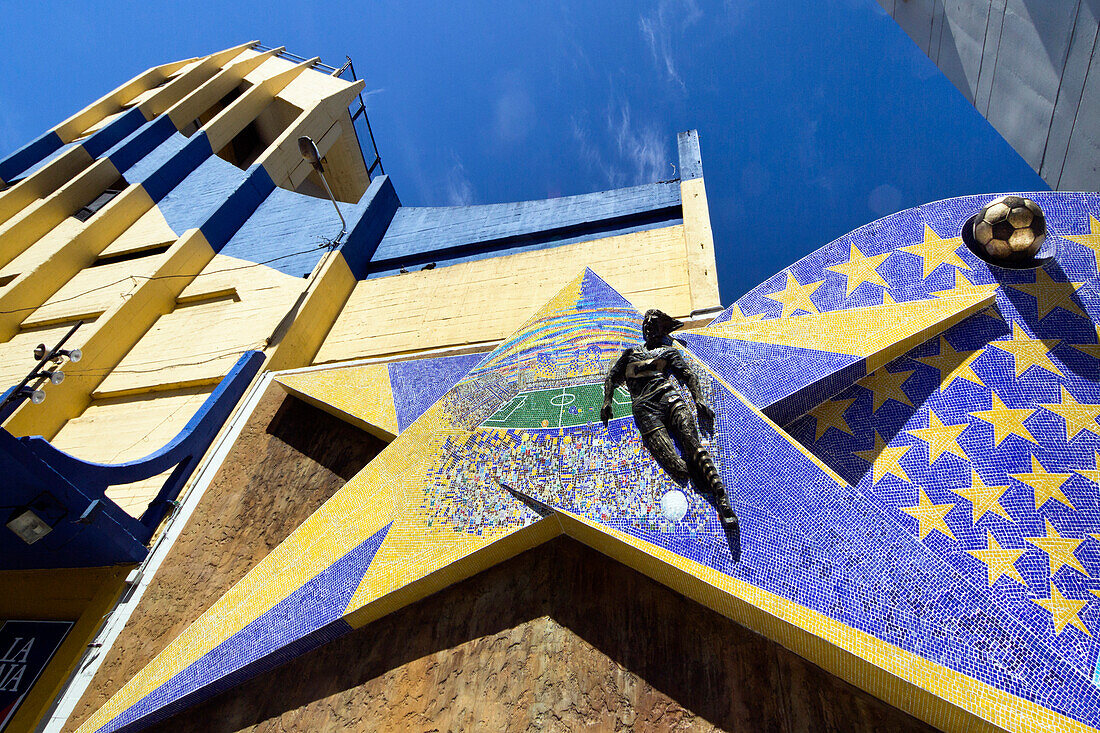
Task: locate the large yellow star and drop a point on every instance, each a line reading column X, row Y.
column 1028, row 352
column 1047, row 486
column 885, row 385
column 860, row 269
column 999, row 561
column 940, row 438
column 1049, row 294
column 1090, row 240
column 1062, row 610
column 831, row 413
column 935, row 251
column 982, row 498
column 1059, row 549
column 884, row 459
column 929, row 516
column 1078, row 417
column 1006, row 421
column 953, row 364
column 796, row 297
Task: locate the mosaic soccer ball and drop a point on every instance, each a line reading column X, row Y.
column 1010, row 228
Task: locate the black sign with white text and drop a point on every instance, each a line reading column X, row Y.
column 25, row 649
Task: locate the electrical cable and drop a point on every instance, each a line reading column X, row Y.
column 160, row 277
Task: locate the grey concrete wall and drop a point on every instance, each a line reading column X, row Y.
column 1027, row 66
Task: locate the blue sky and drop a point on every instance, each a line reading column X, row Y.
column 815, row 117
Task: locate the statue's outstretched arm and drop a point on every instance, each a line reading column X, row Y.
column 615, row 377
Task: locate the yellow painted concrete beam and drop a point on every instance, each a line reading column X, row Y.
column 202, row 98
column 112, row 336
column 245, row 108
column 311, row 319
column 185, row 83
column 43, row 181
column 282, row 159
column 699, row 243
column 75, row 126
column 23, row 230
column 31, row 289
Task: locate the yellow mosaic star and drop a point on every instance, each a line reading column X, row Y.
column 1059, row 549
column 953, row 364
column 860, row 269
column 1062, row 610
column 1078, row 417
column 831, row 413
column 929, row 516
column 964, row 286
column 940, row 438
column 1049, row 294
column 1047, row 486
column 1028, row 352
column 1092, row 475
column 796, row 297
column 1090, row 240
column 935, row 251
column 999, row 561
column 1006, row 421
column 884, row 459
column 885, row 385
column 982, row 498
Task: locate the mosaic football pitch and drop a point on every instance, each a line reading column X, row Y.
column 560, row 407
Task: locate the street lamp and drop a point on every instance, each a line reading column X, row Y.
column 311, row 155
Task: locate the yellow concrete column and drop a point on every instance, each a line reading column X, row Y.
column 189, row 80
column 23, row 230
column 245, row 108
column 200, row 100
column 112, row 336
column 43, row 181
column 298, row 338
column 33, row 288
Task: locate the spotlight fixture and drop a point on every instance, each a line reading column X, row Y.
column 74, row 355
column 311, row 155
column 28, row 526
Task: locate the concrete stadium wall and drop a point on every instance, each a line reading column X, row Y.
column 1026, row 66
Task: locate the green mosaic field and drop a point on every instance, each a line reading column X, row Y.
column 561, row 407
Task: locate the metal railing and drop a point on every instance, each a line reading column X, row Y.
column 357, row 109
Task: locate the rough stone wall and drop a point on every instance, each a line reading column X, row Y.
column 558, row 639
column 289, row 458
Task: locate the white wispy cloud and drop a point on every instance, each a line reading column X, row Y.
column 459, row 190
column 513, row 112
column 619, row 148
column 670, row 18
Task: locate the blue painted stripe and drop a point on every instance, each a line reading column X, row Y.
column 103, row 140
column 220, row 227
column 530, row 244
column 366, row 234
column 171, row 173
column 48, row 159
column 307, row 618
column 26, row 156
column 452, row 230
column 140, row 143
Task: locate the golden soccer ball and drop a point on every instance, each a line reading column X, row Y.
column 1010, row 229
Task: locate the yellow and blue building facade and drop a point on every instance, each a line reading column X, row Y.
column 909, row 435
column 176, row 226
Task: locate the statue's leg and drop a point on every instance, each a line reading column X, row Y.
column 683, row 426
column 659, row 444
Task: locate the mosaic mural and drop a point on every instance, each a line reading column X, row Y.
column 909, row 436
